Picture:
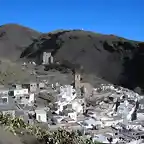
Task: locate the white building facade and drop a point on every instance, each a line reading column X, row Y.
column 41, row 115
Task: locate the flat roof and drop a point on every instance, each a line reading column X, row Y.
column 6, row 107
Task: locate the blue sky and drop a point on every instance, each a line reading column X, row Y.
column 120, row 17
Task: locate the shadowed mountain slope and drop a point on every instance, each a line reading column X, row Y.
column 114, row 59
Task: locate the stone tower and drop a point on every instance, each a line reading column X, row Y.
column 77, row 79
column 46, row 57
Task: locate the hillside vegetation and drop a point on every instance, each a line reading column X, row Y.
column 33, row 134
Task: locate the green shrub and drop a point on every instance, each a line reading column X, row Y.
column 61, row 136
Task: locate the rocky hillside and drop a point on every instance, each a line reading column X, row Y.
column 13, row 40
column 114, row 59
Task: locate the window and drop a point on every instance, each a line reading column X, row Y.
column 4, row 100
column 11, row 93
column 39, row 118
column 27, row 97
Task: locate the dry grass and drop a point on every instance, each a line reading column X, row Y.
column 11, row 72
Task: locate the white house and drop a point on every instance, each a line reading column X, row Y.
column 58, row 118
column 67, row 95
column 31, row 98
column 109, row 123
column 4, row 91
column 60, row 108
column 134, row 127
column 17, row 86
column 103, row 139
column 77, row 106
column 41, row 85
column 41, row 115
column 4, row 99
column 18, row 92
column 68, row 89
column 72, row 115
column 67, row 120
column 89, row 123
column 32, row 86
column 70, row 94
column 100, row 138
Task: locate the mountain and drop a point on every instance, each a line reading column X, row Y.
column 14, row 38
column 114, row 59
